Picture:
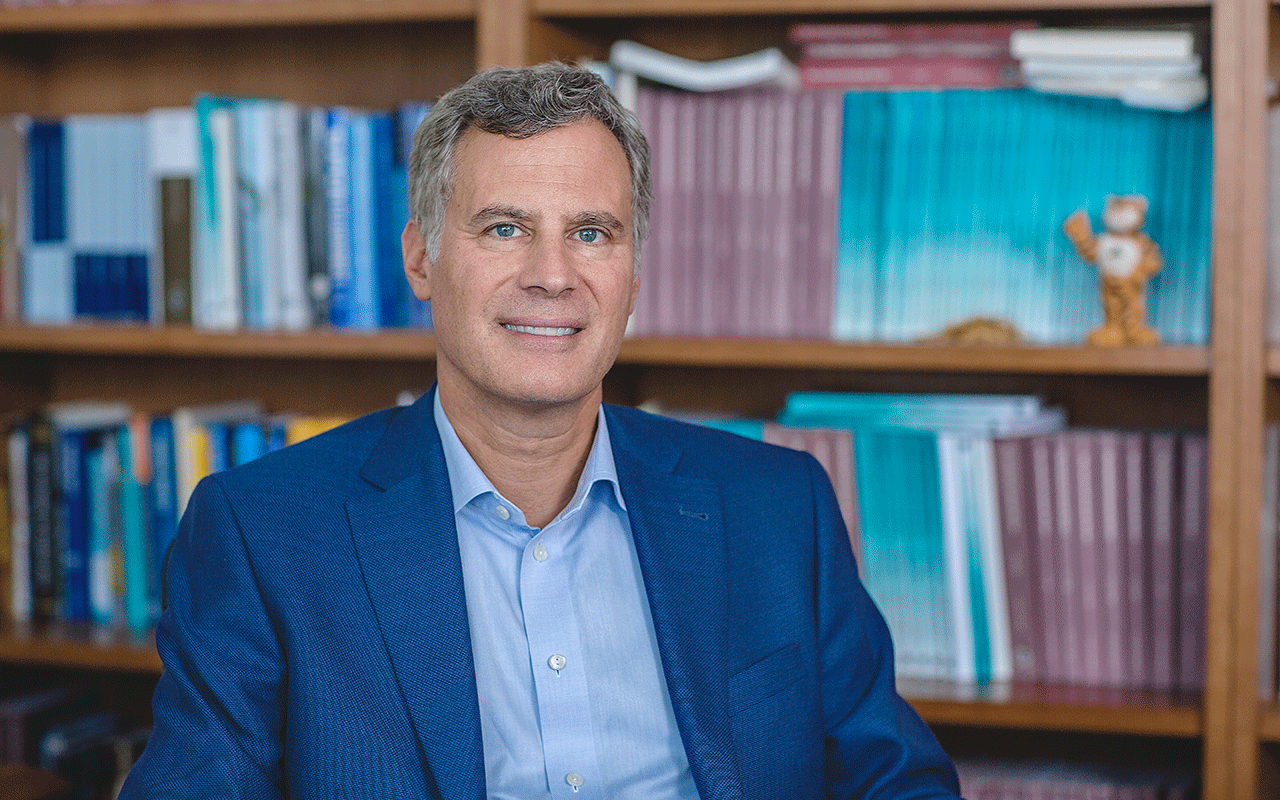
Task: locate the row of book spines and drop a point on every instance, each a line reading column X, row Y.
column 241, row 269
column 92, row 511
column 1101, row 536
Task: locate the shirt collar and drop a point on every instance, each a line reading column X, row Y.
column 467, row 481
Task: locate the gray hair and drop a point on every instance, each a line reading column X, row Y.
column 519, row 103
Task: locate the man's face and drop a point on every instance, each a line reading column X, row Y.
column 533, row 285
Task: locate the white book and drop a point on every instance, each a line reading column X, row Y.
column 768, row 67
column 1116, row 70
column 222, row 279
column 1103, row 43
column 951, row 470
column 291, row 249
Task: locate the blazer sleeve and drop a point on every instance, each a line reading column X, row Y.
column 218, row 706
column 876, row 744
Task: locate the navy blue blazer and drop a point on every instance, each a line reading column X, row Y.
column 316, row 642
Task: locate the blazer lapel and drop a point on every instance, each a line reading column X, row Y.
column 679, row 535
column 407, row 544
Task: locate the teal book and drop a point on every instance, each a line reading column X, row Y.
column 133, row 451
column 903, row 545
column 216, row 278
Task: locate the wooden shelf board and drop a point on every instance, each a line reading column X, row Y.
column 779, row 353
column 653, row 8
column 57, row 18
column 126, row 340
column 1058, row 708
column 401, row 345
column 79, row 647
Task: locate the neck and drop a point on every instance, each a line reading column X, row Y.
column 532, row 455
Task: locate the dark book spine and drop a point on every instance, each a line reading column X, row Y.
column 42, row 494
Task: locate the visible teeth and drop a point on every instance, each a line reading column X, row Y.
column 540, row 331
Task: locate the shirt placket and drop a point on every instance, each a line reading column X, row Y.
column 559, row 677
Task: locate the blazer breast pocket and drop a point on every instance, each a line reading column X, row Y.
column 764, row 679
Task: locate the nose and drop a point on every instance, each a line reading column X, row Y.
column 549, row 268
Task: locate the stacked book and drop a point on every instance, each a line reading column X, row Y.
column 95, row 492
column 1150, row 68
column 891, row 215
column 231, row 213
column 881, row 55
column 1000, row 544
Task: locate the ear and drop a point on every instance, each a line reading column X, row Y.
column 635, row 292
column 417, row 268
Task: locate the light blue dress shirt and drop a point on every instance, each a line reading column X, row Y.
column 573, row 703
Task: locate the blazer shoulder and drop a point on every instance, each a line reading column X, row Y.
column 703, row 450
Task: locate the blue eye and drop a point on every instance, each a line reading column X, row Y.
column 506, row 230
column 589, row 235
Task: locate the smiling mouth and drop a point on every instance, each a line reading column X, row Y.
column 537, row 331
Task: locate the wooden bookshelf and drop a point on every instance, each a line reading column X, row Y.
column 79, row 647
column 1056, row 708
column 130, row 57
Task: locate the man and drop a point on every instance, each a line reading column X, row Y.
column 509, row 590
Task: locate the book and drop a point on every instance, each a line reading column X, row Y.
column 47, row 282
column 1163, row 609
column 1021, row 569
column 13, row 210
column 1120, row 44
column 133, row 449
column 17, row 451
column 767, row 67
column 216, row 270
column 172, row 162
column 877, row 32
column 911, row 71
column 1193, row 559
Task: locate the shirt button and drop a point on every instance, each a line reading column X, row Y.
column 574, row 779
column 540, row 553
column 503, row 513
column 557, row 662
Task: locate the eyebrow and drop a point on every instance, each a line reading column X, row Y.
column 490, row 213
column 601, row 219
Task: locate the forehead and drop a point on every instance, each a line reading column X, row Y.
column 582, row 162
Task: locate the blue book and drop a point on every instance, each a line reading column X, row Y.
column 363, row 223
column 338, row 229
column 162, row 503
column 131, row 447
column 390, row 183
column 219, row 433
column 100, row 471
column 48, row 278
column 73, row 526
column 248, row 441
